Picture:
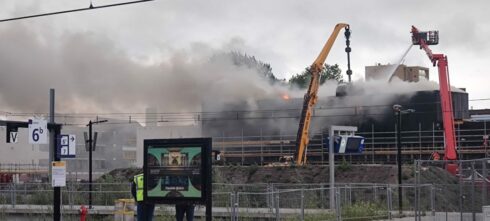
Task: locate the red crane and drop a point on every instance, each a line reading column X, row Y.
column 424, row 39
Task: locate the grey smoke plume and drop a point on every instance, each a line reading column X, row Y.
column 92, row 75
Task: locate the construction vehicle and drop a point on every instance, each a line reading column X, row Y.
column 311, row 97
column 424, row 39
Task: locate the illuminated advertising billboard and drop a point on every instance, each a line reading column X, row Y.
column 177, row 170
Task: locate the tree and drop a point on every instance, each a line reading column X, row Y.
column 329, row 72
column 251, row 62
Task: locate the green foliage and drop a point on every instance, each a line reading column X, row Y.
column 344, row 166
column 252, row 169
column 244, row 60
column 329, row 72
column 361, row 211
column 41, row 198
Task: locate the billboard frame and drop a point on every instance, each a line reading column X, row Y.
column 206, row 175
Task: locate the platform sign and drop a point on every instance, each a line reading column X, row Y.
column 38, row 131
column 58, row 173
column 66, row 144
column 13, row 137
column 345, row 144
column 177, row 170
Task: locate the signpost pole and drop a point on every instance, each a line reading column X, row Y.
column 54, row 155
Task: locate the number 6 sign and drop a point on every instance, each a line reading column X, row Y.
column 38, row 131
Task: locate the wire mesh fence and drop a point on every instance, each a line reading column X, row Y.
column 459, row 193
column 434, row 194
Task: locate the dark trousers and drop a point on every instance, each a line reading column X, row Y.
column 145, row 211
column 182, row 209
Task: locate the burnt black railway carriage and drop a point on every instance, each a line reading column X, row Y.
column 262, row 132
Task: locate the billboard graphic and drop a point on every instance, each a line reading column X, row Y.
column 175, row 171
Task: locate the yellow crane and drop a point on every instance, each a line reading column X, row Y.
column 311, row 97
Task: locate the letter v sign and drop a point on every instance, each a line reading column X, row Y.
column 13, row 137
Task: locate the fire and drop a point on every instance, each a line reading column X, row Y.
column 285, row 97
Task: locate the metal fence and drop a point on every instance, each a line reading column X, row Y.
column 468, row 189
column 434, row 195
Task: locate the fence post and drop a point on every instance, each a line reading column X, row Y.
column 338, row 210
column 350, row 194
column 268, row 197
column 473, row 204
column 302, row 204
column 12, row 195
column 389, row 200
column 272, row 197
column 322, row 195
column 433, row 201
column 68, row 190
column 235, row 205
column 232, row 206
column 278, row 217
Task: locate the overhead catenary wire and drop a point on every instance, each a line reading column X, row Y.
column 91, row 7
column 93, row 114
column 241, row 118
column 228, row 115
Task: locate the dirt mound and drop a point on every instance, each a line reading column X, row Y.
column 307, row 174
column 119, row 175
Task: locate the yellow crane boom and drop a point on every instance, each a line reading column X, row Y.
column 311, row 97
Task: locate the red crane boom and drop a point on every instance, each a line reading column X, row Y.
column 424, row 39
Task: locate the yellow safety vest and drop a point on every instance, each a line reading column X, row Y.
column 138, row 180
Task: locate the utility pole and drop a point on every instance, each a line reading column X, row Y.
column 91, row 146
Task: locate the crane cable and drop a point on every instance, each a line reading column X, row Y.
column 348, row 50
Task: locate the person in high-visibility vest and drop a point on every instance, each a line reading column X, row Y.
column 144, row 210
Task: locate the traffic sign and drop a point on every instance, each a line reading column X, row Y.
column 38, row 131
column 66, row 145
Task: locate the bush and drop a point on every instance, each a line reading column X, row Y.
column 361, row 211
column 344, row 166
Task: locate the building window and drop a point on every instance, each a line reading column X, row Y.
column 423, row 74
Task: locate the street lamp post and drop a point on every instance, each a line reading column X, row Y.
column 91, row 146
column 398, row 113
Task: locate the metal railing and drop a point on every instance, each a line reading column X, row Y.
column 452, row 199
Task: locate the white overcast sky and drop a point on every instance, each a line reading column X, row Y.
column 288, row 34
